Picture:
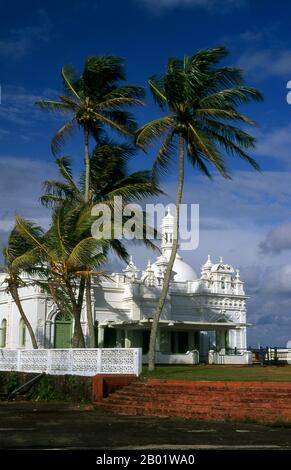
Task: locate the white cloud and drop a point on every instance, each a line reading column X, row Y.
column 277, row 240
column 266, row 62
column 22, row 40
column 20, row 188
column 278, row 281
column 18, row 103
column 275, row 143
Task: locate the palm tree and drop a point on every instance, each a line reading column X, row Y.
column 200, row 99
column 67, row 254
column 20, row 259
column 95, row 102
column 107, row 181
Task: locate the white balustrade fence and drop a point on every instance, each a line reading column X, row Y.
column 73, row 361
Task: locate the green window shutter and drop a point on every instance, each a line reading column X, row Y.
column 63, row 331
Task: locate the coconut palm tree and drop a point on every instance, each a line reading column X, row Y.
column 20, row 262
column 67, row 254
column 107, row 181
column 96, row 101
column 200, row 102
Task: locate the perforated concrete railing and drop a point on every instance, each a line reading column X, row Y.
column 73, row 361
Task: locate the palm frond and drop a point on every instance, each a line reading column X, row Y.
column 155, row 129
column 70, row 80
column 226, row 114
column 206, row 147
column 85, row 252
column 165, row 156
column 156, row 85
column 55, row 106
column 64, row 132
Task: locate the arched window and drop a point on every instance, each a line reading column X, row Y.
column 22, row 333
column 3, row 331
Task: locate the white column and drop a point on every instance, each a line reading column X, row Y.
column 127, row 338
column 100, row 337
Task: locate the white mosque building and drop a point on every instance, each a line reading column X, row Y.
column 203, row 320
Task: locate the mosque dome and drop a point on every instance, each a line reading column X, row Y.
column 182, row 271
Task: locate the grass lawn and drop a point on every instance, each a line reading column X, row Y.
column 214, row 372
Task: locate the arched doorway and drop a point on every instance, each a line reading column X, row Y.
column 63, row 330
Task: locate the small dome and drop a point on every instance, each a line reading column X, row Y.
column 222, row 267
column 182, row 270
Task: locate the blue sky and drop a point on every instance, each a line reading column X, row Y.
column 247, row 220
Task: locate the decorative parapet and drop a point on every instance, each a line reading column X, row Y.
column 87, row 362
column 241, row 357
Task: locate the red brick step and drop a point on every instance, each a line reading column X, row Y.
column 218, row 401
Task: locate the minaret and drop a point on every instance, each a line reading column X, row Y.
column 206, row 268
column 238, row 284
column 131, row 271
column 168, row 233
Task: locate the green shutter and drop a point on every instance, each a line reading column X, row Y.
column 63, row 331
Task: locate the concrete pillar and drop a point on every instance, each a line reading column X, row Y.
column 191, row 340
column 100, row 337
column 48, row 339
column 222, row 341
column 127, row 338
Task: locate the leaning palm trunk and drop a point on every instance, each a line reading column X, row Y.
column 81, row 294
column 14, row 293
column 88, row 280
column 167, row 276
column 90, row 313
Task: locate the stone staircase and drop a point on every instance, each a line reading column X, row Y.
column 212, row 401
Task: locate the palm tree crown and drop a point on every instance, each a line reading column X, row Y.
column 95, row 101
column 201, row 99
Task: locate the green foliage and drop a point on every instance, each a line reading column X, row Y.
column 9, row 381
column 69, row 388
column 45, row 391
column 200, row 98
column 95, row 99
